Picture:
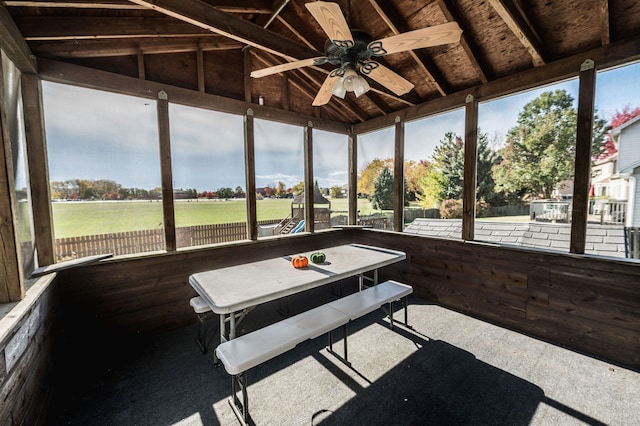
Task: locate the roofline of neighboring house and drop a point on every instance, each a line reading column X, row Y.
column 618, row 129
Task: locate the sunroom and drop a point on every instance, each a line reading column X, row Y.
column 148, row 141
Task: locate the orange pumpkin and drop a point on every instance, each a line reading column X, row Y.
column 299, row 261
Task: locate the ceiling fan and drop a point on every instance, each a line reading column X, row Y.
column 352, row 50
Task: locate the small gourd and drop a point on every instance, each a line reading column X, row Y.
column 299, row 261
column 318, row 257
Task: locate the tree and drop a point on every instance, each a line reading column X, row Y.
column 298, row 188
column 619, row 118
column 281, row 190
column 369, row 174
column 336, row 192
column 239, row 193
column 383, row 191
column 225, row 193
column 540, row 149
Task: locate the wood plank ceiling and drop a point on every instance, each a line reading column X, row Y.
column 211, row 46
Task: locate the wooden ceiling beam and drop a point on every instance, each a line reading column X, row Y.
column 82, row 28
column 205, row 16
column 517, row 21
column 125, row 47
column 466, row 41
column 392, row 18
column 13, row 44
column 296, row 32
column 229, row 6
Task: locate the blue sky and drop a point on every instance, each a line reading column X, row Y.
column 99, row 135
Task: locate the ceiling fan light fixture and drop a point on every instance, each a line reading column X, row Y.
column 351, row 82
column 338, row 89
column 362, row 87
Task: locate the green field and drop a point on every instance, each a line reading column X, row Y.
column 73, row 219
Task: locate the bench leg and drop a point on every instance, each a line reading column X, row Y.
column 201, row 338
column 405, row 301
column 344, row 359
column 240, row 407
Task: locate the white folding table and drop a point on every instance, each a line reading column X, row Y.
column 233, row 291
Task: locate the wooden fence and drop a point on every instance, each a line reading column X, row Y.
column 132, row 242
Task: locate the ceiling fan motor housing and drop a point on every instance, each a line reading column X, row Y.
column 352, row 56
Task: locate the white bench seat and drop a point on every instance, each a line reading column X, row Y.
column 245, row 352
column 360, row 304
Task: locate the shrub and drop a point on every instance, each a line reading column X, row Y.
column 452, row 209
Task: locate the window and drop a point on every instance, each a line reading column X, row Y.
column 331, row 174
column 375, row 178
column 433, row 171
column 104, row 172
column 279, row 168
column 614, row 194
column 207, row 153
column 15, row 118
column 526, row 161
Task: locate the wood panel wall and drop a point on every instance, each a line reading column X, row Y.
column 27, row 358
column 584, row 303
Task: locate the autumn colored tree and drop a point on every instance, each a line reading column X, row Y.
column 369, row 175
column 618, row 119
column 281, row 190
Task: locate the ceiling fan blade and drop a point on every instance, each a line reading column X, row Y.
column 324, row 94
column 417, row 39
column 386, row 77
column 332, row 21
column 288, row 66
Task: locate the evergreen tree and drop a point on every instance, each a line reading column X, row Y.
column 383, row 191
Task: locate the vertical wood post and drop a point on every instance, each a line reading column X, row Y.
column 398, row 178
column 38, row 168
column 470, row 168
column 168, row 213
column 584, row 134
column 11, row 275
column 250, row 171
column 309, row 187
column 353, row 178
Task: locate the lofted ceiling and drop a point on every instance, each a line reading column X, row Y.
column 212, row 46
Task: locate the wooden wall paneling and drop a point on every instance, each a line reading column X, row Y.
column 352, row 193
column 250, row 172
column 166, row 173
column 309, row 187
column 26, row 383
column 38, row 168
column 582, row 303
column 470, row 168
column 582, row 173
column 101, row 299
column 398, row 177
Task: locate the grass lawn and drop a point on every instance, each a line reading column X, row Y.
column 73, row 219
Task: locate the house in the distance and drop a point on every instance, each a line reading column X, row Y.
column 627, row 139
